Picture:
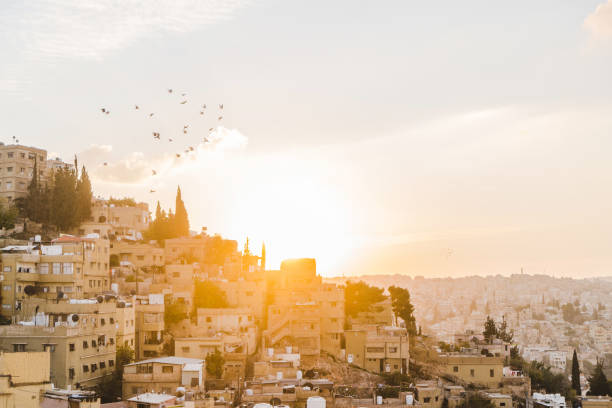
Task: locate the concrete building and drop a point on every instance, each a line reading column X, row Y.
column 474, row 369
column 23, row 377
column 149, row 311
column 59, row 398
column 551, row 401
column 304, row 312
column 126, row 323
column 17, row 167
column 380, row 349
column 127, row 219
column 596, row 402
column 68, row 266
column 79, row 335
column 162, row 375
column 499, row 400
column 137, row 255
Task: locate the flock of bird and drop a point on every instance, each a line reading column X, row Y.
column 157, row 135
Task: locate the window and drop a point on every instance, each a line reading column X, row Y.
column 392, row 349
column 85, row 368
column 9, row 169
column 71, row 347
column 426, row 400
column 112, row 320
column 43, row 268
column 7, row 268
column 6, row 288
column 19, row 348
column 185, row 349
column 56, row 268
column 111, row 363
column 71, row 373
column 94, row 367
column 9, row 155
column 502, row 404
column 22, row 170
column 167, row 369
column 455, row 369
column 49, row 347
column 85, row 344
column 102, row 321
column 195, row 382
column 491, row 373
column 102, row 365
column 144, row 369
column 472, row 372
column 111, row 340
column 22, row 155
column 68, row 289
column 68, row 268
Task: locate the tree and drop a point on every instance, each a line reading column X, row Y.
column 503, row 333
column 490, row 330
column 8, row 216
column 576, row 374
column 207, row 295
column 174, row 313
column 598, row 382
column 84, row 196
column 181, row 219
column 110, row 387
column 400, row 300
column 360, row 297
column 476, row 401
column 214, row 364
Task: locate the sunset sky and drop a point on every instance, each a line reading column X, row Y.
column 425, row 138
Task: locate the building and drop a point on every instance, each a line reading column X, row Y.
column 380, row 349
column 149, row 312
column 69, row 267
column 78, row 334
column 595, row 402
column 474, row 369
column 127, row 218
column 162, row 375
column 126, row 324
column 499, row 400
column 17, row 168
column 304, row 312
column 152, row 400
column 429, row 394
column 23, row 377
column 552, row 401
column 137, row 255
column 58, row 398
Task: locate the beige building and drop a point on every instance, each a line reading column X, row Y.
column 163, row 375
column 17, row 167
column 474, row 369
column 245, row 294
column 70, row 267
column 137, row 255
column 499, row 400
column 429, row 394
column 69, row 398
column 79, row 335
column 126, row 220
column 126, row 323
column 380, row 349
column 304, row 312
column 23, row 377
column 149, row 311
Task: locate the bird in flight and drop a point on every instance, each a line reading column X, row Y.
column 184, row 102
column 169, row 90
column 201, row 112
column 220, row 117
column 191, row 149
column 220, row 106
column 204, row 106
column 151, row 191
column 178, row 155
column 211, row 129
column 151, row 114
column 156, row 135
column 136, row 107
column 105, row 163
column 184, row 94
column 103, row 110
column 170, row 139
column 154, row 172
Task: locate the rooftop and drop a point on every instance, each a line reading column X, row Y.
column 169, row 360
column 152, row 398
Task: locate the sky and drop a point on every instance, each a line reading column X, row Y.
column 423, row 138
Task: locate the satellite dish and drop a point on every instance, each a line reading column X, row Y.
column 75, row 318
column 121, row 304
column 100, row 299
column 29, row 290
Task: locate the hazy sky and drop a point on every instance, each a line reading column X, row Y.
column 434, row 138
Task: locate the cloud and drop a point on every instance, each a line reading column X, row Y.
column 93, row 28
column 137, row 167
column 599, row 23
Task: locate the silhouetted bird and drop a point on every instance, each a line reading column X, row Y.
column 211, row 129
column 221, row 106
column 201, row 112
column 184, row 102
column 191, row 149
column 151, row 191
column 103, row 110
column 136, row 107
column 169, row 90
column 178, row 155
column 151, row 115
column 105, row 163
column 169, row 140
column 154, row 172
column 220, row 117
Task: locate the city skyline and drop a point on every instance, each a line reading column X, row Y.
column 377, row 139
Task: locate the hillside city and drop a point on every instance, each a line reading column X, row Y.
column 106, row 302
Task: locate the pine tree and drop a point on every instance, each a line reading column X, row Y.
column 598, row 383
column 400, row 300
column 64, row 203
column 181, row 219
column 83, row 196
column 576, row 374
column 490, row 331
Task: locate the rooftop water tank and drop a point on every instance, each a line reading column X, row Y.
column 315, row 402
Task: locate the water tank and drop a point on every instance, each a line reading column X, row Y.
column 262, row 405
column 379, row 400
column 409, row 399
column 298, row 374
column 315, row 402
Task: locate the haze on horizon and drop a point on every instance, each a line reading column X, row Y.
column 436, row 139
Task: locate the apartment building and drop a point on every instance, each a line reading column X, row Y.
column 23, row 377
column 380, row 349
column 79, row 334
column 304, row 312
column 245, row 294
column 474, row 369
column 163, row 375
column 149, row 312
column 126, row 323
column 69, row 266
column 17, row 167
column 137, row 255
column 126, row 219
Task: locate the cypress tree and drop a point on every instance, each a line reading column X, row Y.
column 181, row 220
column 576, row 374
column 64, row 200
column 83, row 196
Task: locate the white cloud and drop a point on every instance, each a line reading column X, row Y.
column 137, row 168
column 599, row 23
column 93, row 28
